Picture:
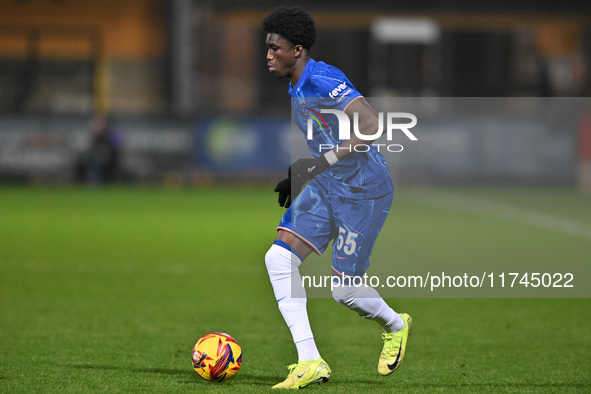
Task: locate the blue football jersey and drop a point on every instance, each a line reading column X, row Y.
column 322, row 86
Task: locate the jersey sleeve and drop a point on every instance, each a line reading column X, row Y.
column 333, row 89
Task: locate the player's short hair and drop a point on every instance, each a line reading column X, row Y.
column 292, row 23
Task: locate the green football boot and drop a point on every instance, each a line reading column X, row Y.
column 394, row 347
column 305, row 373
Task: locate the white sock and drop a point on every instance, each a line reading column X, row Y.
column 368, row 303
column 396, row 324
column 307, row 350
column 285, row 277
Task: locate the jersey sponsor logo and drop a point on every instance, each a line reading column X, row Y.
column 340, row 91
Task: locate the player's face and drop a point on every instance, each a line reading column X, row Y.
column 281, row 55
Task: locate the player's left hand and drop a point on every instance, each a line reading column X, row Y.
column 307, row 169
column 284, row 190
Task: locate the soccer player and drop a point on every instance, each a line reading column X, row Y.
column 347, row 199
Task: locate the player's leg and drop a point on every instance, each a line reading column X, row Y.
column 367, row 302
column 359, row 222
column 283, row 260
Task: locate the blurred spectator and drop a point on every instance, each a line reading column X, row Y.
column 101, row 164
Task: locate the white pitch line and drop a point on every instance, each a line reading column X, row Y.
column 503, row 211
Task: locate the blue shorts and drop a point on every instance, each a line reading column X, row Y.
column 318, row 216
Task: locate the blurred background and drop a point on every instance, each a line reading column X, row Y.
column 177, row 91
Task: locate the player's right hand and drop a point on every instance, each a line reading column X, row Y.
column 284, row 190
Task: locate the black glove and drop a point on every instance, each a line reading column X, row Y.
column 284, row 190
column 305, row 169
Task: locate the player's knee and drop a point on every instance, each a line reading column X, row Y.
column 278, row 262
column 344, row 295
column 274, row 262
column 361, row 299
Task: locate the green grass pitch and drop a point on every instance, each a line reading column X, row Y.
column 107, row 290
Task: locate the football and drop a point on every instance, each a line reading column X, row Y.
column 216, row 357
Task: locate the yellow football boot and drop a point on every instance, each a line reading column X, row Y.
column 304, row 373
column 394, row 347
